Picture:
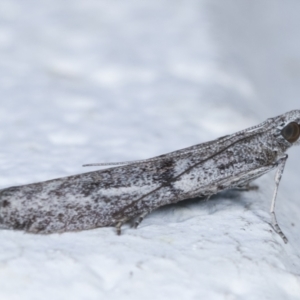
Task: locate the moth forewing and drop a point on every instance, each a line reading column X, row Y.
column 131, row 190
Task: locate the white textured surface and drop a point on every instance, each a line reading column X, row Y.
column 93, row 81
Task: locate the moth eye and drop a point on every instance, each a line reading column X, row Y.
column 291, row 132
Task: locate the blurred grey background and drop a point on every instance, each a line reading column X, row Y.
column 122, row 74
column 156, row 64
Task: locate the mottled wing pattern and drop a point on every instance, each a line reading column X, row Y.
column 110, row 196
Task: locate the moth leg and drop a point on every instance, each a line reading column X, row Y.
column 119, row 225
column 207, row 198
column 140, row 218
column 247, row 187
column 281, row 163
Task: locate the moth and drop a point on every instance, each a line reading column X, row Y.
column 131, row 190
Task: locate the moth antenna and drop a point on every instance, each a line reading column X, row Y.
column 119, row 163
column 105, row 164
column 176, row 154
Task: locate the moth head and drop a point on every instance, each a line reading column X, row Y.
column 289, row 127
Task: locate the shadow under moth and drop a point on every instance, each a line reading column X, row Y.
column 131, row 190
